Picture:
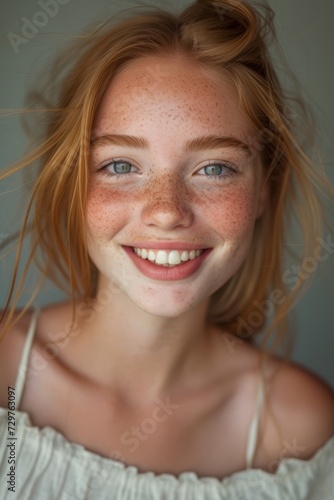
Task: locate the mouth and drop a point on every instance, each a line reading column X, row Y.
column 167, row 265
column 167, row 258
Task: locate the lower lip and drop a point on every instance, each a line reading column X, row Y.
column 178, row 272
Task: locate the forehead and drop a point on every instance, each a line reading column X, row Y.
column 171, row 93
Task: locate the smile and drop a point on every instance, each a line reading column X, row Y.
column 167, row 258
column 155, row 264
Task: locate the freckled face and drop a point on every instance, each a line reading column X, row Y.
column 209, row 197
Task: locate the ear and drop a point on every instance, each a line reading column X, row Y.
column 263, row 198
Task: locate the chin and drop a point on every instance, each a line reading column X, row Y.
column 165, row 305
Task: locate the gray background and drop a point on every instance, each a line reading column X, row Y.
column 306, row 34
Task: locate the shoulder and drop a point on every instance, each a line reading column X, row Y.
column 11, row 347
column 299, row 416
column 51, row 319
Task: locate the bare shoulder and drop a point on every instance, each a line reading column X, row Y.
column 11, row 347
column 12, row 344
column 299, row 416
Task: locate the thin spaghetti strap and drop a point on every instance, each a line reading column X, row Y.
column 23, row 367
column 254, row 427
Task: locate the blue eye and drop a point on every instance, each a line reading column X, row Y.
column 117, row 167
column 122, row 167
column 217, row 171
column 214, row 169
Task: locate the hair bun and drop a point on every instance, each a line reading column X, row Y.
column 233, row 14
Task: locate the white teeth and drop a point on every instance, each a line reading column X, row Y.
column 167, row 258
column 151, row 255
column 174, row 258
column 184, row 256
column 161, row 257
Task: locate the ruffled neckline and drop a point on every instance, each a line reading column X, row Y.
column 286, row 465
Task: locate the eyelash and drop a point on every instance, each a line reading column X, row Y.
column 231, row 170
column 104, row 171
column 221, row 177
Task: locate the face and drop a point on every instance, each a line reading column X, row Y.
column 186, row 204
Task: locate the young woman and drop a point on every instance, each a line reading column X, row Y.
column 168, row 170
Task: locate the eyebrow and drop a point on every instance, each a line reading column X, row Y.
column 197, row 144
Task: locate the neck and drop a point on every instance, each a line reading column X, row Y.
column 141, row 357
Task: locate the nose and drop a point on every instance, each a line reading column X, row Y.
column 167, row 204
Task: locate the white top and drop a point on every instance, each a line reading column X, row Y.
column 49, row 467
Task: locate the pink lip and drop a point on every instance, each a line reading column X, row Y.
column 167, row 245
column 179, row 272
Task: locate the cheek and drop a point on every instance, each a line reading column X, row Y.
column 106, row 211
column 231, row 212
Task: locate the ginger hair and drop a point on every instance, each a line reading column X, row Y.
column 227, row 38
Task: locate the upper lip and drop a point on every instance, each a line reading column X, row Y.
column 167, row 245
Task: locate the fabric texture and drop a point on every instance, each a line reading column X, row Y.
column 48, row 467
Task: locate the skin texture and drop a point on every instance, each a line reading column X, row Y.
column 167, row 196
column 168, row 199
